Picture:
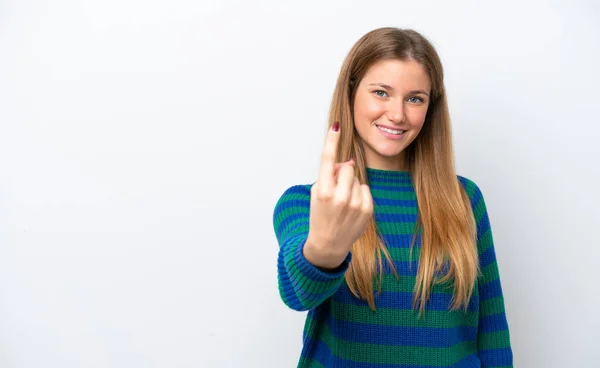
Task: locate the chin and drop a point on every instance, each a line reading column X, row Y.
column 390, row 155
column 389, row 152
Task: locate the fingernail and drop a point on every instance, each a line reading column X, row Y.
column 336, row 126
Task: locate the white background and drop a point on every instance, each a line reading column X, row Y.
column 143, row 145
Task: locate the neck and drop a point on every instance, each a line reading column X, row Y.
column 398, row 163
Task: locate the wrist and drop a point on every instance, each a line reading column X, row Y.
column 321, row 256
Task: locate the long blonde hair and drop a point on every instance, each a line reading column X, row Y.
column 445, row 214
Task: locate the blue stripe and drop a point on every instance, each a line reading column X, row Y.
column 493, row 323
column 490, row 290
column 483, row 226
column 395, row 218
column 403, row 240
column 496, row 357
column 410, row 268
column 400, row 335
column 405, row 180
column 288, row 291
column 395, row 202
column 487, row 256
column 402, row 300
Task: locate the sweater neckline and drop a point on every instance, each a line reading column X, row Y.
column 387, row 175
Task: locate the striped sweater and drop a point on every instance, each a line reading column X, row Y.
column 342, row 331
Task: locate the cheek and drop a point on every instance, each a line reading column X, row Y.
column 417, row 117
column 370, row 108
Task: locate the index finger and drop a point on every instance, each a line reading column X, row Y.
column 326, row 172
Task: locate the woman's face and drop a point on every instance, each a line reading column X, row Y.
column 392, row 94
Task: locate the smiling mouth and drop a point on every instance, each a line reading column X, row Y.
column 390, row 131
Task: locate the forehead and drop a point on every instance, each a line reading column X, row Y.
column 399, row 74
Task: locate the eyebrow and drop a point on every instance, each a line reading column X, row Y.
column 391, row 88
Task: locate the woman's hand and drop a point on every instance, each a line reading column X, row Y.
column 340, row 208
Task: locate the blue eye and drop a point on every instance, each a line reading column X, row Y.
column 419, row 98
column 380, row 91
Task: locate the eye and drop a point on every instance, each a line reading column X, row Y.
column 418, row 98
column 379, row 90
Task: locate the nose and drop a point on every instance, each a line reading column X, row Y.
column 396, row 112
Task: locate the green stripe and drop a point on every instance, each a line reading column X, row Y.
column 494, row 340
column 312, row 364
column 299, row 225
column 471, row 189
column 479, row 210
column 395, row 210
column 397, row 228
column 384, row 354
column 407, row 284
column 404, row 253
column 485, row 241
column 492, row 306
column 490, row 273
column 387, row 194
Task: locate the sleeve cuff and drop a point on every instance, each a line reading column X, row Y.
column 315, row 273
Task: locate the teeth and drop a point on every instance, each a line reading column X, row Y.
column 390, row 130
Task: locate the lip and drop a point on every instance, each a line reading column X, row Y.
column 389, row 135
column 389, row 127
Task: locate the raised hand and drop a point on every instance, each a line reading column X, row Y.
column 340, row 208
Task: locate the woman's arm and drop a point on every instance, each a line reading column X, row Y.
column 493, row 337
column 302, row 286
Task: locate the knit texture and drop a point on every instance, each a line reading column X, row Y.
column 342, row 331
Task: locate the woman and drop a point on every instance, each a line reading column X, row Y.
column 391, row 251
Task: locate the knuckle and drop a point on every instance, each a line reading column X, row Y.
column 355, row 207
column 355, row 204
column 324, row 195
column 340, row 201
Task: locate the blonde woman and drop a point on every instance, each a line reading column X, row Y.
column 390, row 251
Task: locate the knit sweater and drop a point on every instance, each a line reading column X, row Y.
column 342, row 331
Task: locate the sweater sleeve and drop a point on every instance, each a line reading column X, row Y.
column 493, row 337
column 302, row 286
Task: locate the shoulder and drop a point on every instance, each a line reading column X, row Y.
column 472, row 189
column 292, row 207
column 297, row 195
column 297, row 191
